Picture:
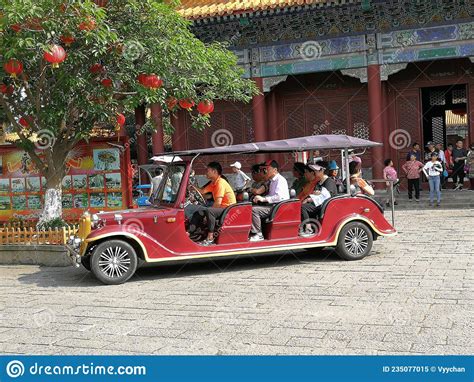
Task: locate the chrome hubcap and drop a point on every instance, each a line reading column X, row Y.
column 356, row 241
column 114, row 262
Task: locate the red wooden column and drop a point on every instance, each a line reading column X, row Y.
column 178, row 140
column 259, row 115
column 142, row 147
column 273, row 131
column 376, row 113
column 157, row 137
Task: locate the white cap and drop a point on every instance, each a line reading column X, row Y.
column 236, row 165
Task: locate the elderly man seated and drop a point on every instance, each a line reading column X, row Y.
column 277, row 192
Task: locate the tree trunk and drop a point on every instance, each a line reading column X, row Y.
column 52, row 198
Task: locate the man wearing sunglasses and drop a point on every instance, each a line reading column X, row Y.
column 277, row 192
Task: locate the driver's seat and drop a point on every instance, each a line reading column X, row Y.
column 234, row 224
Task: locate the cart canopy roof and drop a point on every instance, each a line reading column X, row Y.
column 312, row 142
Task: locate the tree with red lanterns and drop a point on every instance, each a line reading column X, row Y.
column 71, row 65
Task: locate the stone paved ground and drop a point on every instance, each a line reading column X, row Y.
column 413, row 295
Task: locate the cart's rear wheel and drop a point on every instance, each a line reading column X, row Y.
column 355, row 241
column 114, row 262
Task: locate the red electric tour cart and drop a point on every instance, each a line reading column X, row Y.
column 110, row 244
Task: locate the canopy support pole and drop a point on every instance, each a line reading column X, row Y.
column 346, row 166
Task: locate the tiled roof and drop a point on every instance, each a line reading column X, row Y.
column 194, row 9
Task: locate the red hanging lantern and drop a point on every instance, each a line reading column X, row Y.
column 171, row 103
column 120, row 122
column 87, row 25
column 25, row 121
column 141, row 78
column 106, row 82
column 55, row 55
column 96, row 68
column 34, row 24
column 13, row 67
column 186, row 103
column 6, row 89
column 153, row 81
column 67, row 40
column 205, row 107
column 16, row 27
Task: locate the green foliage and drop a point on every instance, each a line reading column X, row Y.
column 129, row 37
column 53, row 223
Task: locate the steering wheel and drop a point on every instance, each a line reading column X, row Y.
column 196, row 195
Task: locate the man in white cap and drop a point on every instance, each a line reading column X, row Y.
column 242, row 180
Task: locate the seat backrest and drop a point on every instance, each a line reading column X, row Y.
column 234, row 224
column 229, row 208
column 277, row 206
column 327, row 201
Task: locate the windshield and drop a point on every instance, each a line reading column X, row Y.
column 167, row 192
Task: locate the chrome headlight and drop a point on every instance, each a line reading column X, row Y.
column 94, row 220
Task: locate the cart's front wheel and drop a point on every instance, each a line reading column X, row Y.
column 86, row 262
column 114, row 262
column 355, row 241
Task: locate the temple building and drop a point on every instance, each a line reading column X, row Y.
column 397, row 72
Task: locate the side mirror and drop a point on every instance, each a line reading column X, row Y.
column 292, row 193
column 245, row 196
column 353, row 190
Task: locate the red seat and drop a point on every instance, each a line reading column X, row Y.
column 284, row 220
column 234, row 224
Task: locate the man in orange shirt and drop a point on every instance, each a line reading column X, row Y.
column 223, row 196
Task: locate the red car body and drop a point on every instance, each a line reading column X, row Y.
column 157, row 233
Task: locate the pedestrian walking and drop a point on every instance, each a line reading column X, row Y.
column 412, row 169
column 433, row 170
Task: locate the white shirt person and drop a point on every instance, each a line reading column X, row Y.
column 242, row 180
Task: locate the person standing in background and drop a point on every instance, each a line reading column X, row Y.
column 459, row 159
column 448, row 156
column 156, row 180
column 433, row 170
column 242, row 180
column 430, row 149
column 415, row 151
column 470, row 162
column 390, row 174
column 412, row 169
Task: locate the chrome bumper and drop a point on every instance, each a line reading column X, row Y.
column 73, row 252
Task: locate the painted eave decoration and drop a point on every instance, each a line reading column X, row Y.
column 197, row 9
